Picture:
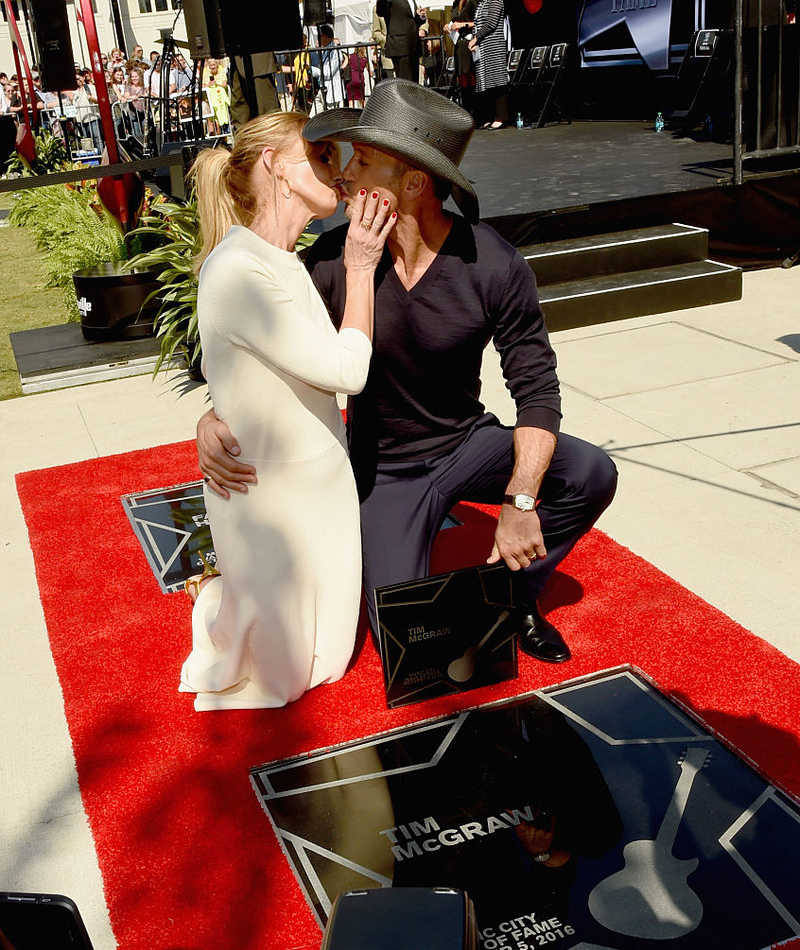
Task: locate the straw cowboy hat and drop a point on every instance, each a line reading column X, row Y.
column 412, row 123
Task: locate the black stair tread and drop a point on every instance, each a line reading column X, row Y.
column 596, row 241
column 608, row 283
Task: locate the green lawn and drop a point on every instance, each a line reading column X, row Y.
column 25, row 302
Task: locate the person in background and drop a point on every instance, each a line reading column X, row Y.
column 460, row 28
column 301, row 85
column 492, row 66
column 116, row 58
column 357, row 76
column 384, row 68
column 219, row 97
column 180, row 76
column 327, row 68
column 48, row 106
column 264, row 89
column 403, row 21
column 135, row 93
column 280, row 619
column 85, row 101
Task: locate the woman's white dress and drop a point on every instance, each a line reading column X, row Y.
column 282, row 617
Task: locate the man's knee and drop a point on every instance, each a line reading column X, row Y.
column 588, row 474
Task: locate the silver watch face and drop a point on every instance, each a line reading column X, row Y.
column 524, row 502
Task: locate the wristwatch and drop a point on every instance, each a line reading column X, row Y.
column 520, row 502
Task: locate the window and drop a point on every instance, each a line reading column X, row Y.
column 14, row 7
column 158, row 6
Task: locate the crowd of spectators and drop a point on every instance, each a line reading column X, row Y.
column 140, row 91
column 195, row 98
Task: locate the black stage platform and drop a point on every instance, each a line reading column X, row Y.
column 519, row 171
column 588, row 178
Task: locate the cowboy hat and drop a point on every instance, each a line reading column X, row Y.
column 413, row 124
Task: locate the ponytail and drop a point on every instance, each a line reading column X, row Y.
column 223, row 179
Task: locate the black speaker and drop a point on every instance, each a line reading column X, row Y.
column 8, row 139
column 56, row 59
column 315, row 12
column 262, row 26
column 204, row 29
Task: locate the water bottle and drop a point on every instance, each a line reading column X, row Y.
column 659, row 123
column 520, row 121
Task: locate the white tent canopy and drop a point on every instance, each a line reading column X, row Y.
column 352, row 19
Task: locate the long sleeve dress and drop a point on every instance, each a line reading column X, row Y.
column 282, row 617
column 491, row 67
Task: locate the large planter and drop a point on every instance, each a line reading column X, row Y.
column 111, row 298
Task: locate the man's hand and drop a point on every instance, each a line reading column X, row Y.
column 216, row 451
column 518, row 539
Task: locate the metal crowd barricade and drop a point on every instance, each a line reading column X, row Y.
column 767, row 84
column 324, row 77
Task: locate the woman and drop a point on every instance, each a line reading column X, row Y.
column 460, row 27
column 357, row 73
column 135, row 93
column 219, row 98
column 282, row 616
column 85, row 101
column 117, row 85
column 492, row 65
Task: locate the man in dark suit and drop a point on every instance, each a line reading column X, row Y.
column 403, row 20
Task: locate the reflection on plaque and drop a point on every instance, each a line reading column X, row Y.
column 172, row 527
column 594, row 814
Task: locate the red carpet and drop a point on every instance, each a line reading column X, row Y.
column 188, row 858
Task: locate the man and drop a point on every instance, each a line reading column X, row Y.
column 253, row 87
column 326, row 66
column 420, row 440
column 384, row 66
column 180, row 76
column 403, row 20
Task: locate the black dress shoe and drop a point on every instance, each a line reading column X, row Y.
column 540, row 639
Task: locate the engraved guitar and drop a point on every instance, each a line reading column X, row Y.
column 650, row 897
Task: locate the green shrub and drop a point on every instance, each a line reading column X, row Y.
column 51, row 156
column 72, row 228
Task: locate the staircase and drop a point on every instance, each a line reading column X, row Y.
column 588, row 280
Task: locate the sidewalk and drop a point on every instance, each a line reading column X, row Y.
column 700, row 410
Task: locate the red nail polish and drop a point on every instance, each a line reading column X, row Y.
column 394, row 214
column 374, row 194
column 385, row 202
column 363, row 192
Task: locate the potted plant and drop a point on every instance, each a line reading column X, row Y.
column 84, row 249
column 174, row 229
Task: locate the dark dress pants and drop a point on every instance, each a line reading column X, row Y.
column 406, row 67
column 410, row 500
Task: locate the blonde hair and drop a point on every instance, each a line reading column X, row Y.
column 223, row 179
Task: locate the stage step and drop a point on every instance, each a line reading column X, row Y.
column 51, row 358
column 633, row 273
column 608, row 297
column 616, row 253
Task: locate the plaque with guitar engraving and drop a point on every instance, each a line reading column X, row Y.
column 592, row 815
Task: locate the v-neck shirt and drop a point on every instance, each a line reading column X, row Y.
column 423, row 391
